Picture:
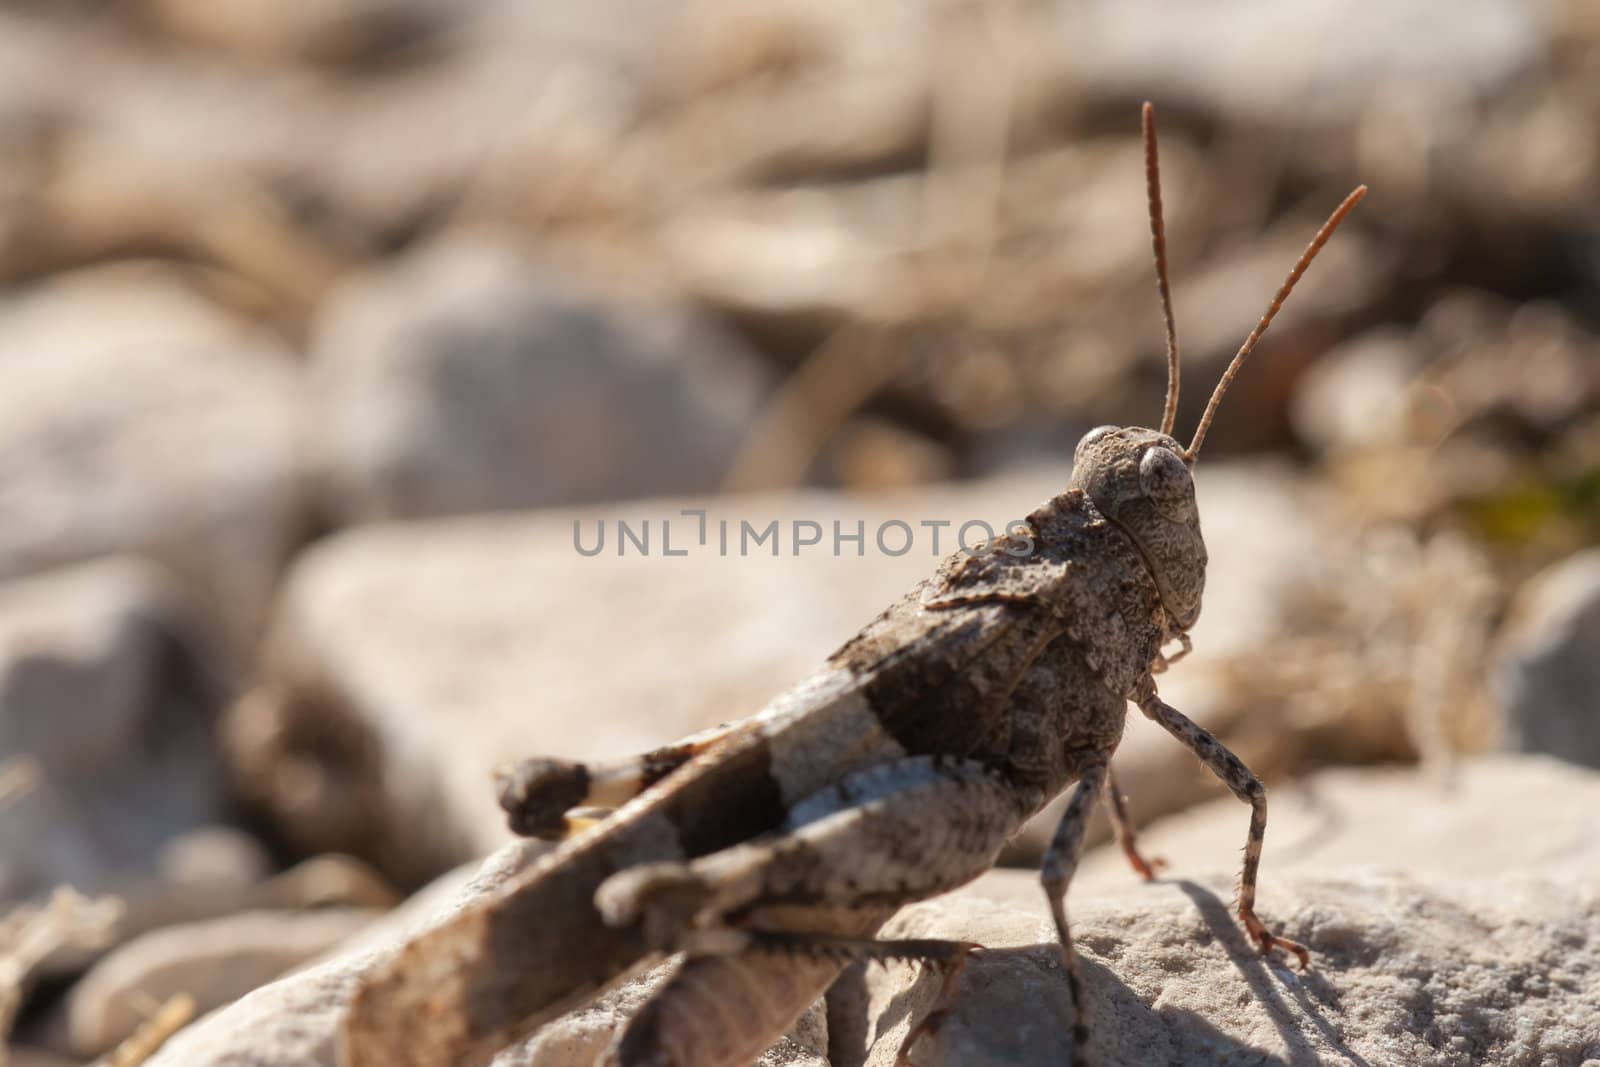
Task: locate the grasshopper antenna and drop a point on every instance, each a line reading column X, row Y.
column 1158, row 245
column 1284, row 290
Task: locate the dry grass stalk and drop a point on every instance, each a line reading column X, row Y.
column 168, row 1019
column 29, row 934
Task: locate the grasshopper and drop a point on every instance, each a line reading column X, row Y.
column 766, row 853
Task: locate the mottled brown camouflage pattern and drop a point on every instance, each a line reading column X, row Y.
column 766, row 853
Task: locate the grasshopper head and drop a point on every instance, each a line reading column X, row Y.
column 1140, row 480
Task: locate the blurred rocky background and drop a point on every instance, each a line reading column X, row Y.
column 321, row 325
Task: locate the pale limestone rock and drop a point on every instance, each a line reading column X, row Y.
column 1447, row 926
column 1433, row 970
column 1289, row 64
column 135, row 417
column 110, row 693
column 470, row 378
column 1547, row 672
column 214, row 962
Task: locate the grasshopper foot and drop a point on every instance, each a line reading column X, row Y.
column 943, row 1005
column 1127, row 832
column 1145, row 867
column 1266, row 940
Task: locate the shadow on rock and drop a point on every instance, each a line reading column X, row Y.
column 1013, row 1011
column 1268, row 983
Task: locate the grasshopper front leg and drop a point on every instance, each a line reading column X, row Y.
column 1060, row 863
column 1127, row 834
column 1248, row 788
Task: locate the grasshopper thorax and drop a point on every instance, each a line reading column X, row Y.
column 1140, row 481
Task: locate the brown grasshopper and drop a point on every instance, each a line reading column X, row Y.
column 766, row 853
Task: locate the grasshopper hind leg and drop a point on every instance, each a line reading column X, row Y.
column 809, row 897
column 722, row 1010
column 948, row 958
column 891, row 833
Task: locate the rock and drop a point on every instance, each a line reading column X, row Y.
column 135, row 418
column 1247, row 58
column 1546, row 674
column 186, row 889
column 109, row 690
column 213, row 858
column 1407, row 970
column 293, row 1021
column 210, row 873
column 214, row 962
column 470, row 379
column 289, row 1022
column 409, row 659
column 1423, row 951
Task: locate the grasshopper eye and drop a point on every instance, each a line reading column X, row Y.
column 1165, row 479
